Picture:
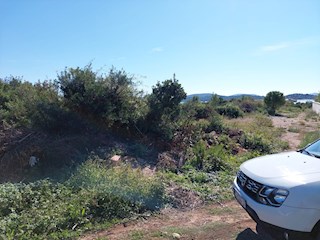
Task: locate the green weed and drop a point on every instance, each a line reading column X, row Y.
column 293, row 130
column 94, row 196
column 309, row 138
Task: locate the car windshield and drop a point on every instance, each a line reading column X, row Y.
column 313, row 149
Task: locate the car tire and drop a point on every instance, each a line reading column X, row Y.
column 263, row 233
column 317, row 236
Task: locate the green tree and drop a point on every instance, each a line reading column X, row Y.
column 274, row 100
column 317, row 99
column 216, row 100
column 165, row 98
column 164, row 104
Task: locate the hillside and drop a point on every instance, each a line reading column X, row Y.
column 92, row 152
column 224, row 220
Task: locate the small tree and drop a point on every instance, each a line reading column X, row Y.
column 274, row 100
column 166, row 97
column 317, row 99
column 164, row 105
column 216, row 100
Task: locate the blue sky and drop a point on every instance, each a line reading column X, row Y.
column 213, row 46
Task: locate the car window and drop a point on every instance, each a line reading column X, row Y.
column 314, row 148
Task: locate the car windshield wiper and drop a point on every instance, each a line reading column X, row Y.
column 311, row 154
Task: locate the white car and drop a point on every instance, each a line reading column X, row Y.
column 281, row 192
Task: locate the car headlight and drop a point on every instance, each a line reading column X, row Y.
column 272, row 196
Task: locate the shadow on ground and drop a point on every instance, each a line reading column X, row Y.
column 248, row 234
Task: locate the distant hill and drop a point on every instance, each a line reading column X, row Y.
column 299, row 96
column 205, row 97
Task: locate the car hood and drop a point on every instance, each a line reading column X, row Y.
column 293, row 167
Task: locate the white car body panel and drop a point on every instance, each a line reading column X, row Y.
column 297, row 219
column 295, row 172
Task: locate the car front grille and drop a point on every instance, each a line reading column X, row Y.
column 249, row 186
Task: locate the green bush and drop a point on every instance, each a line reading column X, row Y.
column 20, row 100
column 248, row 105
column 164, row 109
column 256, row 142
column 230, row 110
column 54, row 119
column 110, row 99
column 204, row 111
column 128, row 186
column 209, row 159
column 215, row 124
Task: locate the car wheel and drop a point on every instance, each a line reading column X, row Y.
column 263, row 233
column 317, row 236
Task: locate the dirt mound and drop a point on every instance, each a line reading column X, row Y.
column 182, row 198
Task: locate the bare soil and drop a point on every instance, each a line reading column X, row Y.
column 295, row 128
column 215, row 221
column 222, row 221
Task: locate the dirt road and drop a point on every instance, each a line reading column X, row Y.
column 216, row 221
column 295, row 128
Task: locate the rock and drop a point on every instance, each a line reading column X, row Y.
column 176, row 235
column 115, row 158
column 33, row 161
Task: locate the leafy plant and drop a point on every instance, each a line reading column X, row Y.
column 256, row 143
column 209, row 159
column 230, row 110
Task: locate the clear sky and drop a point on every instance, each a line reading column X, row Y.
column 213, row 46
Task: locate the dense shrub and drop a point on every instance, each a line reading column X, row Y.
column 166, row 98
column 164, row 109
column 215, row 124
column 230, row 110
column 19, row 99
column 204, row 111
column 209, row 159
column 196, row 109
column 249, row 105
column 55, row 119
column 110, row 99
column 256, row 142
column 216, row 101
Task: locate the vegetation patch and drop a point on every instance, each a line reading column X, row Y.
column 309, row 138
column 92, row 197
